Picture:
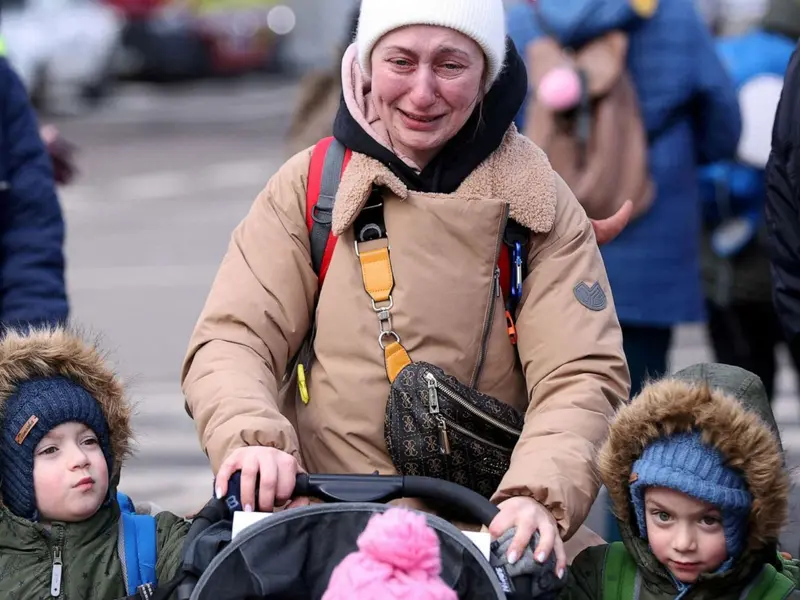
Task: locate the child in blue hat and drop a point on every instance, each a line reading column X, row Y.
column 695, row 471
column 65, row 431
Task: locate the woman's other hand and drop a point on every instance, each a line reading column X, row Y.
column 275, row 470
column 606, row 230
column 528, row 516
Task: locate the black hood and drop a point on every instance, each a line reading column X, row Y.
column 481, row 135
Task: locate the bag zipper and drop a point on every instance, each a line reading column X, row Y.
column 493, row 295
column 435, row 386
column 475, row 436
column 433, row 409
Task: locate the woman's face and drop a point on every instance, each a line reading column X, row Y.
column 426, row 82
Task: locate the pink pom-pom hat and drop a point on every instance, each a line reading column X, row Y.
column 397, row 559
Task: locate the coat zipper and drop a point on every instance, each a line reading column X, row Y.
column 493, row 295
column 434, row 387
column 58, row 568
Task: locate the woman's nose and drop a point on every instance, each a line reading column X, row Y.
column 423, row 91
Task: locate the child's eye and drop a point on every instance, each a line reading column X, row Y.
column 662, row 516
column 710, row 520
column 48, row 450
column 90, row 441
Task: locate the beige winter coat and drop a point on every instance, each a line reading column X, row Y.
column 568, row 371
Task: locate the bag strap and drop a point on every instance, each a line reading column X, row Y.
column 137, row 548
column 373, row 252
column 328, row 160
column 621, row 577
column 770, row 585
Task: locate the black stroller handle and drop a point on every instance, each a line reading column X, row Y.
column 384, row 488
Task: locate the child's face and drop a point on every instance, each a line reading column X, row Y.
column 685, row 534
column 70, row 475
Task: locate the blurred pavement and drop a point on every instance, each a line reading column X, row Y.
column 166, row 175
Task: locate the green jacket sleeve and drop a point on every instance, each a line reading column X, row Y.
column 171, row 531
column 585, row 575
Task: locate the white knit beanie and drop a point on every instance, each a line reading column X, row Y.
column 481, row 20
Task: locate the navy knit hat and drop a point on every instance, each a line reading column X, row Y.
column 38, row 406
column 683, row 462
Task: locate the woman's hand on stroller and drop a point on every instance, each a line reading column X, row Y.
column 271, row 469
column 528, row 516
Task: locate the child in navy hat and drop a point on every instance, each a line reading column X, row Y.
column 695, row 471
column 65, row 431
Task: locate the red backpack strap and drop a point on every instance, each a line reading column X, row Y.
column 328, row 161
column 504, row 266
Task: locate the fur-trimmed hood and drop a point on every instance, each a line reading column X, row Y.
column 51, row 352
column 518, row 172
column 730, row 407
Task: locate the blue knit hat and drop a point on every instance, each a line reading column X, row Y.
column 683, row 462
column 36, row 407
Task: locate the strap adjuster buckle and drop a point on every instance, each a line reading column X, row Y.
column 328, row 215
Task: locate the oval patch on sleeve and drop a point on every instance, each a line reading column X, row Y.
column 593, row 298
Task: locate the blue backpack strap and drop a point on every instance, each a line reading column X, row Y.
column 136, row 547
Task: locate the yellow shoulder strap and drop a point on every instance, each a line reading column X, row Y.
column 376, row 273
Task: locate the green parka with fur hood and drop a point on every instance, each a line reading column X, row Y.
column 730, row 407
column 91, row 564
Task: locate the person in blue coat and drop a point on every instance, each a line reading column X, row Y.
column 32, row 288
column 686, row 96
column 742, row 322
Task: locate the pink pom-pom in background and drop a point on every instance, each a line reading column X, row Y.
column 560, row 89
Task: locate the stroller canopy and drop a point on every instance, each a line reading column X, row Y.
column 291, row 556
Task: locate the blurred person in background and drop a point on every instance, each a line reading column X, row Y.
column 690, row 114
column 782, row 206
column 691, row 117
column 742, row 322
column 32, row 287
column 61, row 151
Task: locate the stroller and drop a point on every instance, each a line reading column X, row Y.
column 291, row 555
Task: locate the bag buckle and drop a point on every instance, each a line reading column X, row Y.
column 516, row 275
column 511, row 328
column 326, row 220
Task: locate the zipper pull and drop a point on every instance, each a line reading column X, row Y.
column 497, row 282
column 55, row 580
column 444, row 438
column 517, row 257
column 433, row 395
